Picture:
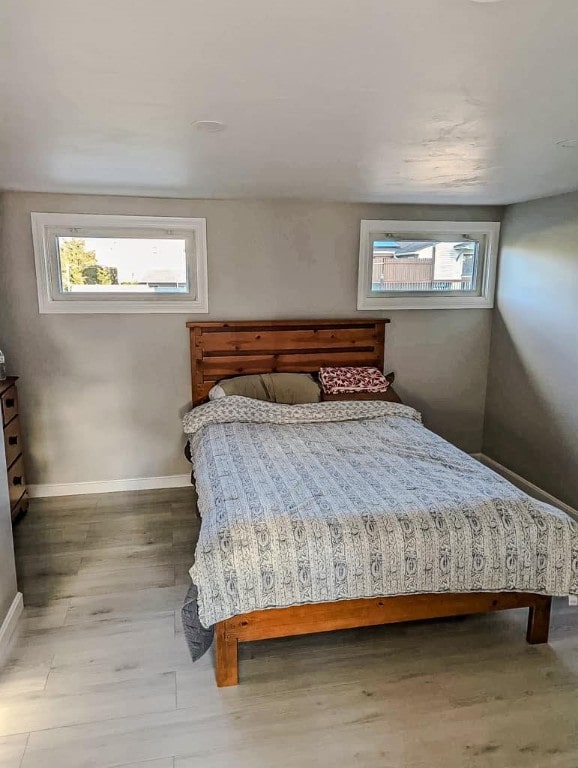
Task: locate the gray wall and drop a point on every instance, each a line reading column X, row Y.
column 532, row 405
column 102, row 395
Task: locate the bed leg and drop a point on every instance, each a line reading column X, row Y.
column 539, row 621
column 226, row 657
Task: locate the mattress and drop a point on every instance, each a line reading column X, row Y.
column 343, row 500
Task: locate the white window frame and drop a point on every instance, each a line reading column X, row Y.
column 52, row 300
column 412, row 300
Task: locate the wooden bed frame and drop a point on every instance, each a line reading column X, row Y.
column 222, row 350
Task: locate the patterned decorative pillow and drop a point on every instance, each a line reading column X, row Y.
column 337, row 380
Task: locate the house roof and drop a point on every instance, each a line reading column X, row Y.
column 163, row 276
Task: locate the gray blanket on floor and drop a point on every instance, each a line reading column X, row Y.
column 198, row 638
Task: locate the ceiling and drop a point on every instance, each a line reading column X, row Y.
column 368, row 100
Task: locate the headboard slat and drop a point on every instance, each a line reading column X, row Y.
column 237, row 341
column 222, row 350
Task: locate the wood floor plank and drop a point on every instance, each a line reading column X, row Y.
column 132, row 499
column 81, row 703
column 12, row 750
column 99, row 535
column 182, row 575
column 65, row 675
column 101, row 581
column 47, row 617
column 61, row 504
column 54, row 564
column 111, row 743
column 99, row 515
column 185, row 511
column 125, row 605
column 18, row 677
column 47, row 540
column 131, row 554
column 105, row 639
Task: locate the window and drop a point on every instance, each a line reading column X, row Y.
column 427, row 264
column 95, row 263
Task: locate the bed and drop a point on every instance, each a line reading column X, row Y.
column 304, row 511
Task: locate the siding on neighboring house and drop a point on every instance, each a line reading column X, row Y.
column 403, row 271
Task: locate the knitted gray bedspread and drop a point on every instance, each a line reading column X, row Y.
column 343, row 500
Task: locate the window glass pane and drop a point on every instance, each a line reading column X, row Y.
column 428, row 265
column 108, row 265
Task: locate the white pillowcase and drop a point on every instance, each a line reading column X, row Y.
column 217, row 392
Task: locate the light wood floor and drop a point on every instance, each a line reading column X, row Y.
column 100, row 674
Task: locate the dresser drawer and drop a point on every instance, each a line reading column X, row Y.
column 9, row 403
column 12, row 441
column 16, row 482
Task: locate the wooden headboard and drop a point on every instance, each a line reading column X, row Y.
column 222, row 350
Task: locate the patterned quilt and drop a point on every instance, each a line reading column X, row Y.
column 338, row 500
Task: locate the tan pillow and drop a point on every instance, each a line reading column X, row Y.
column 246, row 386
column 287, row 388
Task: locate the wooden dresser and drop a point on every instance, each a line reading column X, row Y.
column 13, row 447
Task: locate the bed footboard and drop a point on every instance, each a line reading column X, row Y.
column 348, row 614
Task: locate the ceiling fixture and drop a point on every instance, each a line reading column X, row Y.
column 209, row 126
column 568, row 143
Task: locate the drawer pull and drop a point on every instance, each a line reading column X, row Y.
column 17, row 480
column 12, row 440
column 9, row 402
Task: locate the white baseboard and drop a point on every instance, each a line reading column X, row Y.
column 108, row 486
column 526, row 485
column 8, row 626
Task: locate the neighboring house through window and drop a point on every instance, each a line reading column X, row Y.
column 424, row 264
column 94, row 264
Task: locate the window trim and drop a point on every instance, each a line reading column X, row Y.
column 53, row 301
column 369, row 228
